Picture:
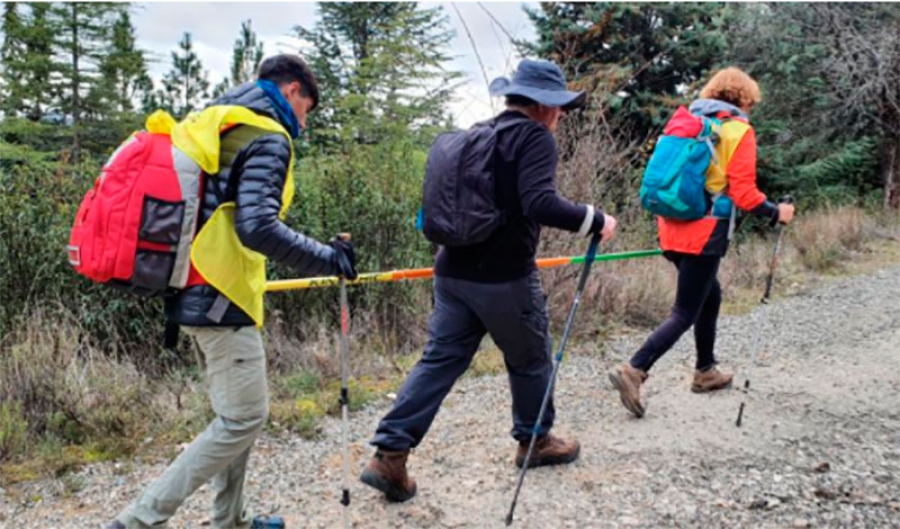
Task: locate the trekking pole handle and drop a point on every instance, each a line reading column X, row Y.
column 786, row 199
column 589, row 258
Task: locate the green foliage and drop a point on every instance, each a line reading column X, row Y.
column 383, row 69
column 248, row 53
column 843, row 176
column 27, row 60
column 186, row 85
column 374, row 191
column 822, row 125
column 24, row 141
column 81, row 32
column 74, row 66
column 11, row 52
column 124, row 68
column 38, row 200
column 634, row 58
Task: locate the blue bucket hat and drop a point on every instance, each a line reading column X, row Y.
column 541, row 81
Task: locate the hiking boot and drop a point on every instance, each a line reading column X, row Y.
column 710, row 380
column 387, row 472
column 548, row 450
column 628, row 380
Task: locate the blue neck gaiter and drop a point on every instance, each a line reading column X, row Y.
column 282, row 107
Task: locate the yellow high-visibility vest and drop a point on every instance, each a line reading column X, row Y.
column 217, row 254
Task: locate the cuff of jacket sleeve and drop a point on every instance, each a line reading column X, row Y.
column 767, row 210
column 587, row 222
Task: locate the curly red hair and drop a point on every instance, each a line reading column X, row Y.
column 732, row 86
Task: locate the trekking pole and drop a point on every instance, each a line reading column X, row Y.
column 345, row 395
column 557, row 360
column 764, row 301
column 282, row 285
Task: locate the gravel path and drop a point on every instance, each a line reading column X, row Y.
column 820, row 446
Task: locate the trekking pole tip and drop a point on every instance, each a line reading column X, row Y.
column 740, row 415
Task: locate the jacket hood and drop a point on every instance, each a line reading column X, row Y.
column 711, row 107
column 253, row 97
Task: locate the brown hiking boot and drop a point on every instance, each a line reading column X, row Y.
column 710, row 380
column 387, row 473
column 628, row 381
column 548, row 450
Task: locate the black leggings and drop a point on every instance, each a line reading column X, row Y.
column 696, row 303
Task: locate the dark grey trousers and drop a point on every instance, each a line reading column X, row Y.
column 515, row 315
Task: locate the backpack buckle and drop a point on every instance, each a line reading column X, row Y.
column 74, row 253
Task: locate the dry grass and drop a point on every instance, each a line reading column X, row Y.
column 826, row 239
column 66, row 403
column 639, row 293
column 62, row 392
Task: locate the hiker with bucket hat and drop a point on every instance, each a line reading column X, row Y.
column 490, row 283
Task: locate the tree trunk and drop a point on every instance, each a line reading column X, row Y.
column 892, row 177
column 76, row 86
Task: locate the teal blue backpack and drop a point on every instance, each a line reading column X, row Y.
column 674, row 183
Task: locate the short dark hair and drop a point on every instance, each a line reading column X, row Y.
column 287, row 68
column 513, row 100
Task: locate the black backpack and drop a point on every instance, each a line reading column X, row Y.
column 459, row 205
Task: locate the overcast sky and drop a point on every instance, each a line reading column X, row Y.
column 214, row 27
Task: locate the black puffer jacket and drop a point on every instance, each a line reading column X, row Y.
column 253, row 168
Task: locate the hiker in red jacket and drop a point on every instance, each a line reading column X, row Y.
column 697, row 246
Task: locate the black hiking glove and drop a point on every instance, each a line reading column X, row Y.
column 344, row 258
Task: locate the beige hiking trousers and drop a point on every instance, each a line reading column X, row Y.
column 236, row 374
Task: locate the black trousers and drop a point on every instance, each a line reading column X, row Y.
column 697, row 303
column 515, row 315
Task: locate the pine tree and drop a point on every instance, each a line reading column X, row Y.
column 186, row 85
column 12, row 51
column 82, row 29
column 28, row 63
column 124, row 68
column 382, row 67
column 248, row 53
column 246, row 56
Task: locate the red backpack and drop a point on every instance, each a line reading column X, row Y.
column 135, row 227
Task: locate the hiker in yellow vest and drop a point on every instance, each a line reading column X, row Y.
column 243, row 144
